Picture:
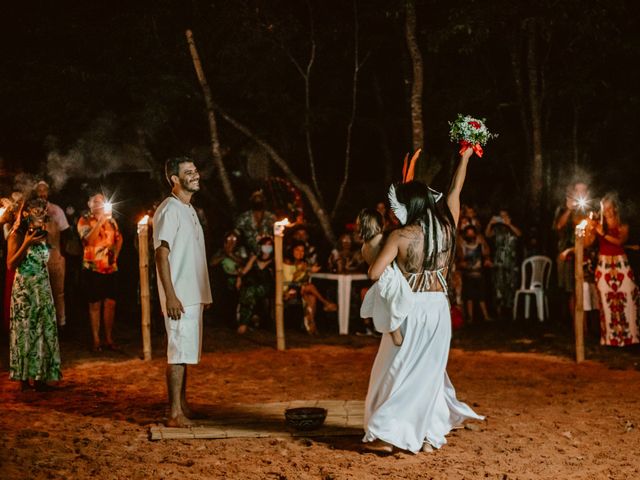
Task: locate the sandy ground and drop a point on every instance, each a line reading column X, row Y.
column 546, row 416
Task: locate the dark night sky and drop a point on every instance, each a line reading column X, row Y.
column 97, row 82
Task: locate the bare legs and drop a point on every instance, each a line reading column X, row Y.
column 108, row 309
column 177, row 387
column 311, row 296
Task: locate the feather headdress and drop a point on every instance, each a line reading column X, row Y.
column 408, row 172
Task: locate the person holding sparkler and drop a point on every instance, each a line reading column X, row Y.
column 102, row 242
column 566, row 218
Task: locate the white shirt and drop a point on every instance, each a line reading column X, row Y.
column 57, row 223
column 177, row 224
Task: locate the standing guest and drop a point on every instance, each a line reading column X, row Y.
column 34, row 351
column 615, row 281
column 256, row 222
column 411, row 403
column 102, row 242
column 57, row 230
column 12, row 207
column 473, row 258
column 566, row 218
column 183, row 281
column 505, row 237
column 255, row 283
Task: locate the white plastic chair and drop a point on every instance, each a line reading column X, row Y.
column 536, row 271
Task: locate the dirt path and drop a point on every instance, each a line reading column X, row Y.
column 546, row 417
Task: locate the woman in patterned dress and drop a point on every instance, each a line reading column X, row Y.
column 617, row 289
column 34, row 351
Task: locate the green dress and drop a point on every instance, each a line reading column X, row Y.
column 34, row 351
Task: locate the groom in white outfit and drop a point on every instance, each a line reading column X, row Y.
column 183, row 281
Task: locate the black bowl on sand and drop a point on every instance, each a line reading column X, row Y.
column 305, row 418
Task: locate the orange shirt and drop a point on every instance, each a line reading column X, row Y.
column 99, row 255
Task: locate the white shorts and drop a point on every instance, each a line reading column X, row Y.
column 184, row 336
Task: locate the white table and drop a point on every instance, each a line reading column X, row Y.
column 344, row 294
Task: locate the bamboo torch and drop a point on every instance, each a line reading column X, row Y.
column 143, row 256
column 278, row 234
column 578, row 318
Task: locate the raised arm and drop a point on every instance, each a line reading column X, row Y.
column 453, row 197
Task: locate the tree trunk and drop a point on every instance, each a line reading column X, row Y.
column 213, row 128
column 352, row 117
column 417, row 127
column 536, row 115
column 382, row 133
column 316, row 205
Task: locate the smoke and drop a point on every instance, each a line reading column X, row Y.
column 99, row 152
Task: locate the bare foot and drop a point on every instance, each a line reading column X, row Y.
column 427, row 448
column 180, row 421
column 396, row 337
column 379, row 446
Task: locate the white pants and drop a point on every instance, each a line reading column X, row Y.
column 184, row 336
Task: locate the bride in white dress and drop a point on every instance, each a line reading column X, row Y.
column 411, row 403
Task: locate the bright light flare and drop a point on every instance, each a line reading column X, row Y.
column 2, row 210
column 108, row 208
column 144, row 220
column 582, row 203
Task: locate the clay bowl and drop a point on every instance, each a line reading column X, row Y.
column 305, row 418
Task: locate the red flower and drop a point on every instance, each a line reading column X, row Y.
column 475, row 125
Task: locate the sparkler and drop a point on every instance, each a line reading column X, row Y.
column 2, row 210
column 108, row 208
column 582, row 203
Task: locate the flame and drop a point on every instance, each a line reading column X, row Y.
column 278, row 227
column 144, row 221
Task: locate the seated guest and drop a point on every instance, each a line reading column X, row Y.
column 344, row 259
column 297, row 284
column 255, row 284
column 299, row 233
column 227, row 264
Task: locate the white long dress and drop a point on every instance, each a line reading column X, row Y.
column 410, row 398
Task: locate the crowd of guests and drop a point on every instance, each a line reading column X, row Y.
column 40, row 245
column 46, row 245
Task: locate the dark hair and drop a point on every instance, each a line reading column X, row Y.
column 265, row 239
column 433, row 217
column 23, row 219
column 172, row 167
column 370, row 223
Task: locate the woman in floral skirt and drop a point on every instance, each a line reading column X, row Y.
column 34, row 351
column 614, row 278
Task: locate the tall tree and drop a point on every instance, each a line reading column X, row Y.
column 417, row 126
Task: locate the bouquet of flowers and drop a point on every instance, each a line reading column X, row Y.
column 470, row 132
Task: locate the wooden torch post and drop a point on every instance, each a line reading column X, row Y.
column 578, row 317
column 145, row 303
column 278, row 234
